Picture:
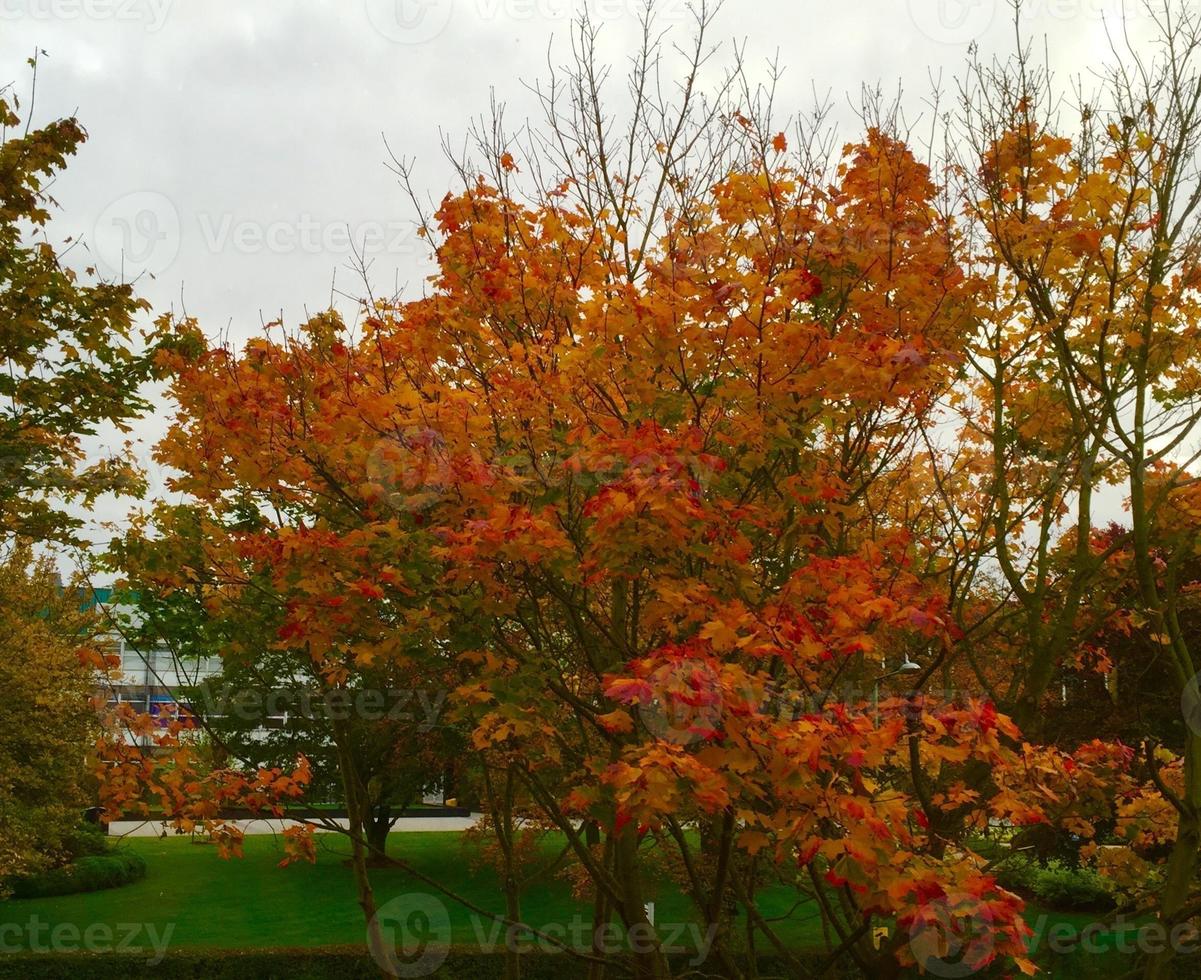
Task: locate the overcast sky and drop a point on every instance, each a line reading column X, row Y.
column 237, row 146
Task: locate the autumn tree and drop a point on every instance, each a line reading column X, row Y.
column 72, row 363
column 1083, row 219
column 72, row 369
column 629, row 462
column 47, row 727
column 705, row 425
column 264, row 707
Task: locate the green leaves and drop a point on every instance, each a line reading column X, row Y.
column 71, row 365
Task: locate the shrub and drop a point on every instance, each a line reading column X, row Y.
column 1056, row 886
column 1073, row 888
column 327, row 964
column 90, row 873
column 87, row 840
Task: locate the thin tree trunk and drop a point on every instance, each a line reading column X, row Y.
column 1181, row 872
column 356, row 810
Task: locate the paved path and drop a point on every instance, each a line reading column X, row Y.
column 137, row 828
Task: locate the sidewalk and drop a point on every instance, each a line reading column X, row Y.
column 143, row 828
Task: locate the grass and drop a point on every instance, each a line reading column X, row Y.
column 250, row 903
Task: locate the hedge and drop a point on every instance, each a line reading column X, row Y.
column 324, row 964
column 352, row 963
column 90, row 873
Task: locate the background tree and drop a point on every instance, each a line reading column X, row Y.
column 71, row 365
column 263, row 707
column 1085, row 372
column 71, row 368
column 48, row 727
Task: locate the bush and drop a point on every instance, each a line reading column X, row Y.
column 1058, row 887
column 90, row 873
column 352, row 963
column 326, row 964
column 86, row 841
column 1074, row 889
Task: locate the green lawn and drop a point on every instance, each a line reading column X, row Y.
column 251, row 903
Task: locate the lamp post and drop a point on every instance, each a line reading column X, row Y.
column 907, row 667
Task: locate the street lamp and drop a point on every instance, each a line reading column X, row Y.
column 907, row 667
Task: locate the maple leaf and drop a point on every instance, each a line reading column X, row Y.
column 630, row 690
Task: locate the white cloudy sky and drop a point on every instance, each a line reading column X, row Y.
column 237, row 146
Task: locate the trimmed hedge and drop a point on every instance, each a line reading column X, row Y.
column 352, row 963
column 90, row 873
column 326, row 964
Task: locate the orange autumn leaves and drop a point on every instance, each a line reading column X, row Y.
column 647, row 493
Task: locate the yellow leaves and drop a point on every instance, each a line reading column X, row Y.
column 474, row 694
column 1118, row 863
column 1080, row 827
column 664, row 779
column 753, row 841
column 500, row 727
column 721, row 635
column 617, row 722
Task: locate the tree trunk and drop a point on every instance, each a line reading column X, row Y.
column 1183, row 862
column 379, row 823
column 648, row 959
column 602, row 911
column 357, row 817
column 513, row 911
